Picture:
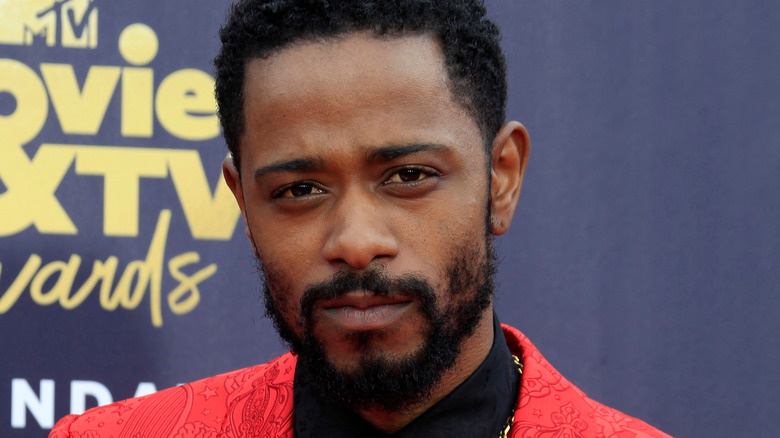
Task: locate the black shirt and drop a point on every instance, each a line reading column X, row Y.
column 478, row 407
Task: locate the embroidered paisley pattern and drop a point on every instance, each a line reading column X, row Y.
column 257, row 402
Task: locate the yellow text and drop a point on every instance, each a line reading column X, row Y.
column 184, row 102
column 30, row 198
column 140, row 278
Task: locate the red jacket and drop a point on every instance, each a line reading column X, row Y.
column 257, row 402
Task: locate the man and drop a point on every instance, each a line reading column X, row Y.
column 372, row 166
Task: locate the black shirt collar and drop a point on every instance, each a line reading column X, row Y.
column 478, row 407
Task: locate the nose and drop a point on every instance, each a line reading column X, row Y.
column 359, row 233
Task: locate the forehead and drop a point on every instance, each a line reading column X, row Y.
column 356, row 61
column 357, row 89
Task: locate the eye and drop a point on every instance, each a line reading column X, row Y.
column 410, row 175
column 297, row 190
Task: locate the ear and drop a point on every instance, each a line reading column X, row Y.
column 233, row 180
column 510, row 155
column 230, row 173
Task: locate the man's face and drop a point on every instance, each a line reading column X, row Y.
column 365, row 192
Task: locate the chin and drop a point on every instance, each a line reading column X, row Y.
column 361, row 347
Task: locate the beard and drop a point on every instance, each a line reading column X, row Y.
column 378, row 380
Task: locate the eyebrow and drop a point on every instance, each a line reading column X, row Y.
column 299, row 165
column 392, row 152
column 382, row 153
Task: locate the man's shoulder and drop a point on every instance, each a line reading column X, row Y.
column 550, row 404
column 207, row 407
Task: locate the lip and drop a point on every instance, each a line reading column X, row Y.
column 364, row 312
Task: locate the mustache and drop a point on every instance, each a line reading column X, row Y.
column 373, row 281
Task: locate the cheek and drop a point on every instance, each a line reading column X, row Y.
column 463, row 223
column 291, row 242
column 281, row 288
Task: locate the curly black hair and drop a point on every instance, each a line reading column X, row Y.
column 470, row 41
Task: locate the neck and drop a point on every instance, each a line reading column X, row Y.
column 474, row 350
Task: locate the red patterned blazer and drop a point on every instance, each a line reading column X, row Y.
column 257, row 402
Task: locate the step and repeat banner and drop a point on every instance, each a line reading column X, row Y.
column 119, row 274
column 643, row 260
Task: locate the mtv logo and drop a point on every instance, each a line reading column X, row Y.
column 54, row 23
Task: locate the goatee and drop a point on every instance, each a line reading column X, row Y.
column 378, row 381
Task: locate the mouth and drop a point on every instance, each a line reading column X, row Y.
column 364, row 311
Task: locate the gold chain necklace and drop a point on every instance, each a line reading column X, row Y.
column 505, row 431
